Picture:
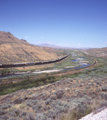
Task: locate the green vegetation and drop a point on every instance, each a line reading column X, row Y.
column 28, row 83
column 7, row 71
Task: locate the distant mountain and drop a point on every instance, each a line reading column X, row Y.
column 59, row 47
column 53, row 46
column 14, row 50
column 49, row 45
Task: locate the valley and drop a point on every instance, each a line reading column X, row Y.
column 65, row 90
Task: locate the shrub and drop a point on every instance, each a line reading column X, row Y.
column 5, row 106
column 23, row 114
column 79, row 111
column 31, row 103
column 31, row 117
column 41, row 116
column 59, row 94
column 14, row 112
column 4, row 117
column 103, row 103
column 61, row 109
column 104, row 88
column 48, row 101
column 2, row 112
column 4, row 71
column 12, row 118
column 22, row 106
column 103, row 95
column 53, row 97
column 52, row 114
column 18, row 101
column 37, row 108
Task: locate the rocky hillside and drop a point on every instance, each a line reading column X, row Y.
column 98, row 52
column 14, row 50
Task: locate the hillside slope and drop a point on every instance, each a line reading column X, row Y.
column 98, row 52
column 13, row 50
column 72, row 97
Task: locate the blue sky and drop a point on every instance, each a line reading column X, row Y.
column 70, row 23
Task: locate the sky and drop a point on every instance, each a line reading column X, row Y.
column 68, row 23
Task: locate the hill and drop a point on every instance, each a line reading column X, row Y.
column 70, row 98
column 14, row 50
column 98, row 52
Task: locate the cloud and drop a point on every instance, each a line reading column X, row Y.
column 79, row 44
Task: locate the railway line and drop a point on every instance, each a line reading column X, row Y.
column 32, row 63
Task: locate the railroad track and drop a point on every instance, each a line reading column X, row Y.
column 32, row 63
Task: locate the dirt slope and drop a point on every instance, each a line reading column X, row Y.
column 14, row 50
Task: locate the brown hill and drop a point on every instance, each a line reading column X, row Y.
column 98, row 52
column 13, row 50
